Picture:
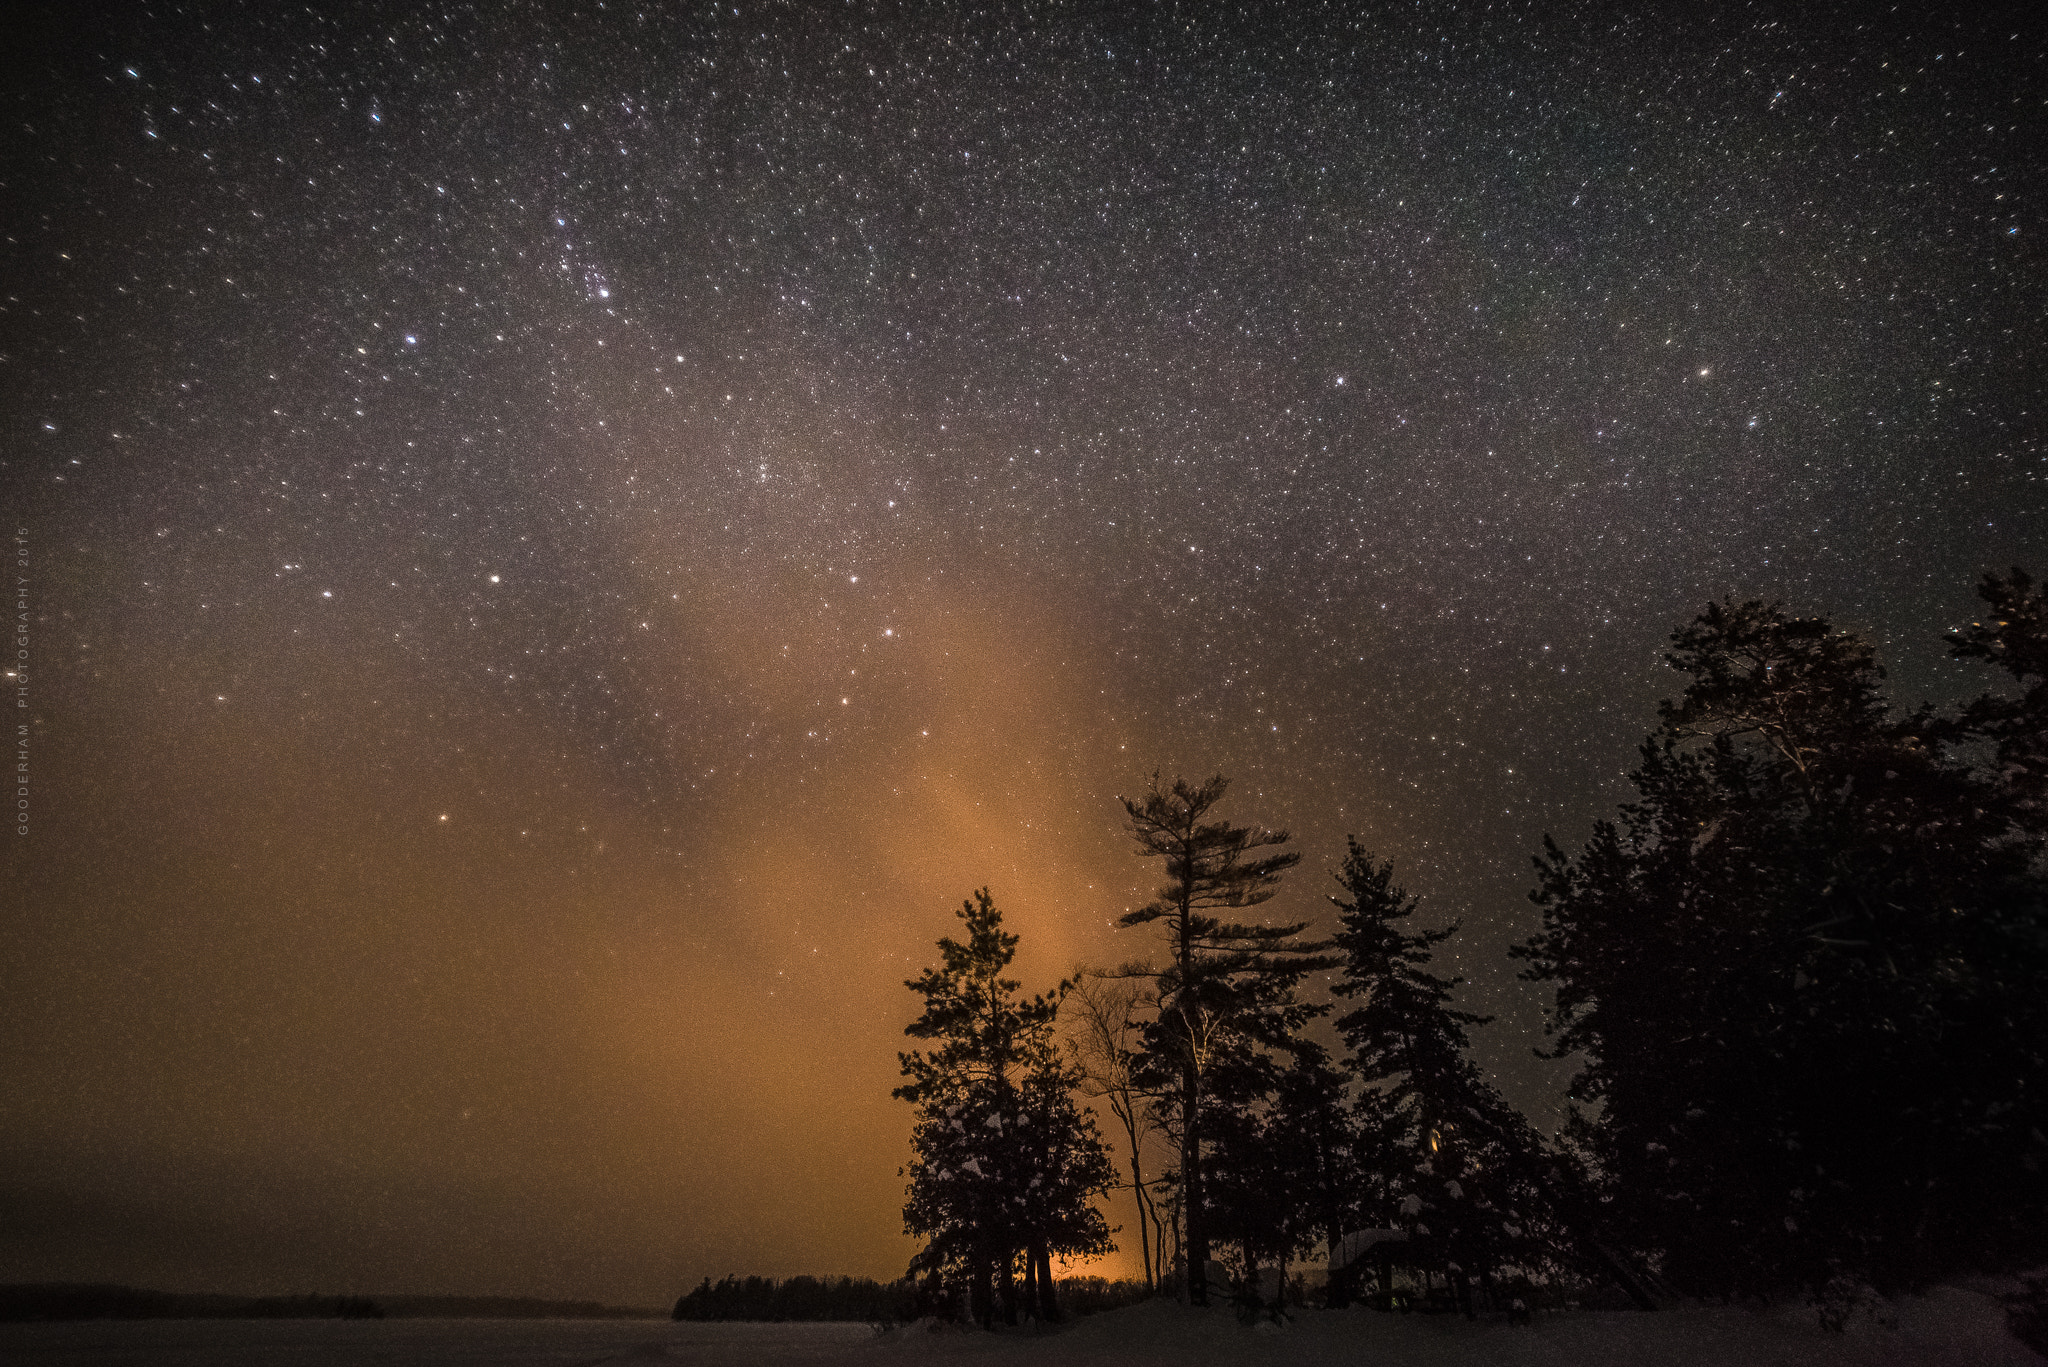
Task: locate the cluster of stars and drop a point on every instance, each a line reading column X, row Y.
column 757, row 446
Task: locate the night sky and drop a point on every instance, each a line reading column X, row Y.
column 562, row 542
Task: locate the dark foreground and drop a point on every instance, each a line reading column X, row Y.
column 1953, row 1327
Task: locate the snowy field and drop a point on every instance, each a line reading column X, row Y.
column 426, row 1343
column 1958, row 1327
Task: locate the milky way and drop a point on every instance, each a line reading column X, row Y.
column 563, row 543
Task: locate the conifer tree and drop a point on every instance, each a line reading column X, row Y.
column 1315, row 1126
column 1227, row 999
column 2013, row 637
column 1003, row 1162
column 1249, row 1189
column 1059, row 1165
column 1285, row 1174
column 1460, row 1169
column 1804, row 968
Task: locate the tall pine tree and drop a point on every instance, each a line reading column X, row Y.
column 1227, row 997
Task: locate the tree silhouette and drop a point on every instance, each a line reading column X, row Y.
column 1103, row 1013
column 1227, row 997
column 1003, row 1163
column 1284, row 1172
column 2013, row 637
column 1806, row 968
column 1459, row 1169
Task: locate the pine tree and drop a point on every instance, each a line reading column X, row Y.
column 1247, row 1190
column 1315, row 1126
column 1059, row 1166
column 2013, row 638
column 1999, row 1101
column 1285, row 1174
column 1003, row 1162
column 1460, row 1169
column 1227, row 998
column 1800, row 968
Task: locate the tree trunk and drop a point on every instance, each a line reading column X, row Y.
column 1144, row 1199
column 1031, row 1285
column 1195, row 1242
column 1006, row 1282
column 1194, row 1224
column 980, row 1295
column 1159, row 1235
column 1338, row 1294
column 1048, row 1297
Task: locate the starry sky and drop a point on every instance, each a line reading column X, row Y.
column 562, row 541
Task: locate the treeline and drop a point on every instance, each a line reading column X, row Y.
column 863, row 1299
column 1805, row 974
column 1092, row 1295
column 799, row 1298
column 66, row 1301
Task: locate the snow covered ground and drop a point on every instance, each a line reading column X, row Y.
column 427, row 1343
column 1956, row 1327
column 1953, row 1327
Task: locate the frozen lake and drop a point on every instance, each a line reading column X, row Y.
column 424, row 1342
column 1953, row 1327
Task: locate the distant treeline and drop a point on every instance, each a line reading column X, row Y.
column 799, row 1298
column 1090, row 1295
column 864, row 1299
column 98, row 1302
